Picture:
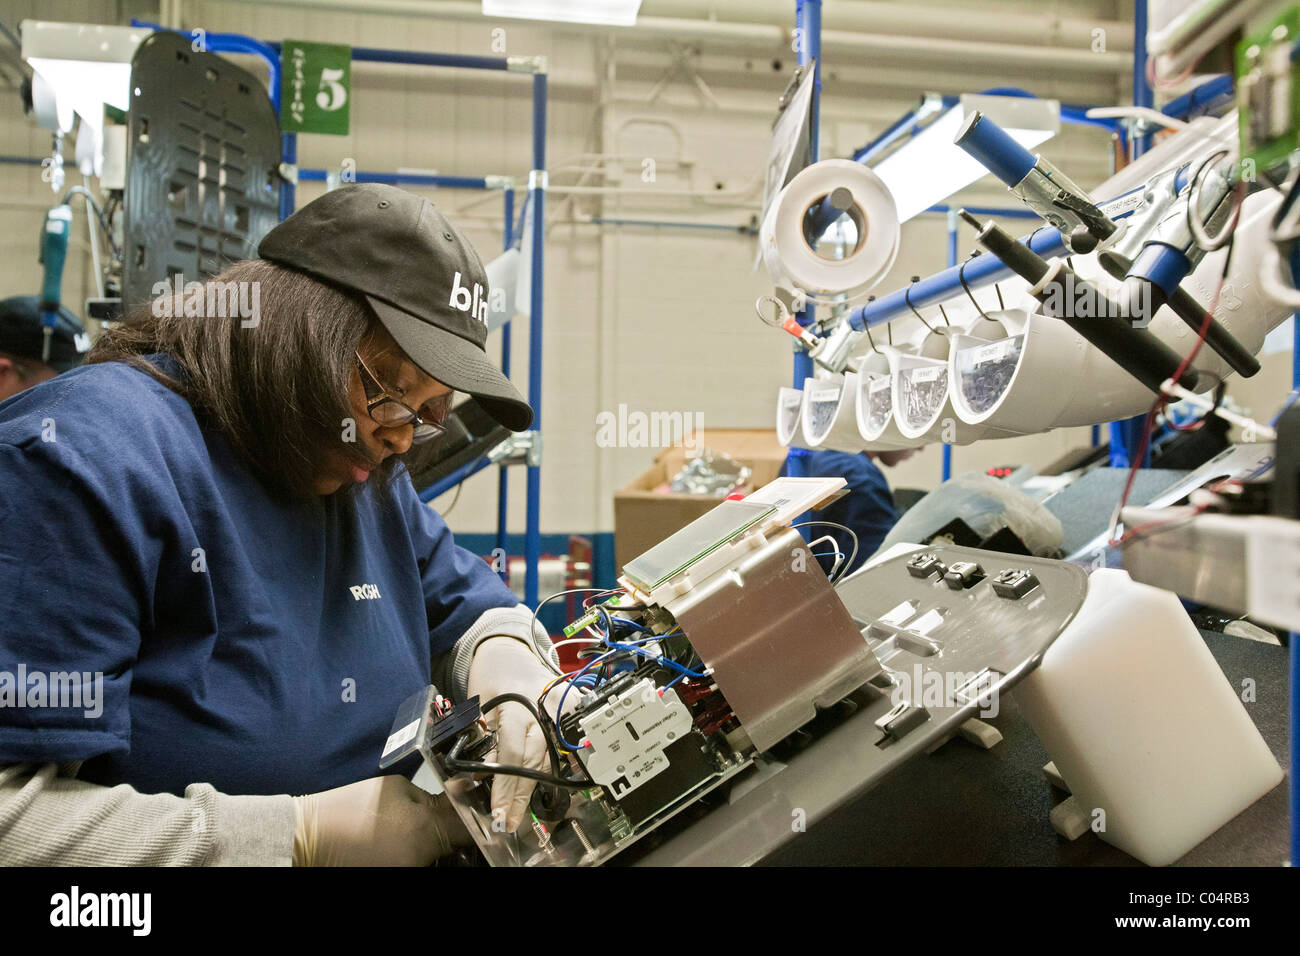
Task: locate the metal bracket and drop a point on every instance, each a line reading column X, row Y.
column 519, row 448
column 538, row 179
column 499, row 182
column 288, row 172
column 526, row 64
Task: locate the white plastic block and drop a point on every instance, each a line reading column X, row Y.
column 1138, row 717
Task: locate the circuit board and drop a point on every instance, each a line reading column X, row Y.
column 1268, row 97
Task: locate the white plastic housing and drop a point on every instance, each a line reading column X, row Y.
column 1142, row 724
column 789, row 417
column 829, row 415
column 1059, row 380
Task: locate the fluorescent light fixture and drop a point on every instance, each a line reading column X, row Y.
column 616, row 13
column 85, row 65
column 928, row 168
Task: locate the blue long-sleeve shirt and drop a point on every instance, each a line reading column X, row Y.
column 867, row 508
column 257, row 645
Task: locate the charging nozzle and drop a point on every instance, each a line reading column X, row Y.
column 1086, row 309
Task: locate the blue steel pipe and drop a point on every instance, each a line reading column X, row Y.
column 235, row 43
column 288, row 190
column 1143, row 95
column 1295, row 638
column 503, row 472
column 981, row 270
column 450, row 481
column 808, row 21
column 537, row 196
column 995, row 150
column 946, row 468
column 1126, row 435
column 403, row 179
column 376, row 55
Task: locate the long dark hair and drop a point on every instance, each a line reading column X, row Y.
column 278, row 389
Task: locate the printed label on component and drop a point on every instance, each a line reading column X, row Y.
column 1121, row 206
column 402, row 736
column 927, row 374
column 992, row 353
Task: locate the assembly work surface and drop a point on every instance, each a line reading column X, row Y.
column 920, row 625
column 962, row 806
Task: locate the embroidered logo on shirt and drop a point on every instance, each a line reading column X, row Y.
column 364, row 592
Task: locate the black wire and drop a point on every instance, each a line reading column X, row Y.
column 907, row 297
column 94, row 207
column 482, row 766
column 1192, row 185
column 520, row 699
column 454, row 498
column 10, row 35
column 455, row 764
column 866, row 327
column 998, row 289
column 961, row 277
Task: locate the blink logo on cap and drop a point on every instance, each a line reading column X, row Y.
column 477, row 306
column 397, row 250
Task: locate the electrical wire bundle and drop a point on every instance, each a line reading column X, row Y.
column 605, row 651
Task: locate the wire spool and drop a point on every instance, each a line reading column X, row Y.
column 848, row 255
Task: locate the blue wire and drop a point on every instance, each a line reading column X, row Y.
column 1290, row 400
column 569, row 687
column 671, row 683
column 635, row 648
column 662, row 661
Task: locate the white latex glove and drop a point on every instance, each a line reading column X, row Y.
column 383, row 821
column 505, row 665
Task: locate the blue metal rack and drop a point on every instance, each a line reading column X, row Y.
column 537, row 182
column 1214, row 93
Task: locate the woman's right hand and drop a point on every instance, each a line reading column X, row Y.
column 383, row 821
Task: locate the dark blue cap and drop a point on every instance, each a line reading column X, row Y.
column 21, row 334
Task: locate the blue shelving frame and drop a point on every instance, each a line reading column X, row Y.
column 269, row 52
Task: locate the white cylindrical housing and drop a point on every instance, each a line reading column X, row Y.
column 1045, row 375
column 829, row 413
column 789, row 417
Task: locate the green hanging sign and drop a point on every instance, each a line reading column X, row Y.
column 315, row 87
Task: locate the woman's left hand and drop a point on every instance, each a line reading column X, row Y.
column 505, row 665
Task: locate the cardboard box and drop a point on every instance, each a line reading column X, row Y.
column 643, row 517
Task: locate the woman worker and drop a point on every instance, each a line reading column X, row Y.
column 210, row 549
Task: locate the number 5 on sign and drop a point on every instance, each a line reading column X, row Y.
column 333, row 94
column 315, row 85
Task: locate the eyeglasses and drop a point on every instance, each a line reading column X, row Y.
column 390, row 412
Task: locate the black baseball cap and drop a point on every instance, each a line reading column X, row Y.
column 21, row 334
column 423, row 279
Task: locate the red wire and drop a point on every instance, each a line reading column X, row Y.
column 1149, row 427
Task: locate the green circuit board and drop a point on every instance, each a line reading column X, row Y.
column 1268, row 92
